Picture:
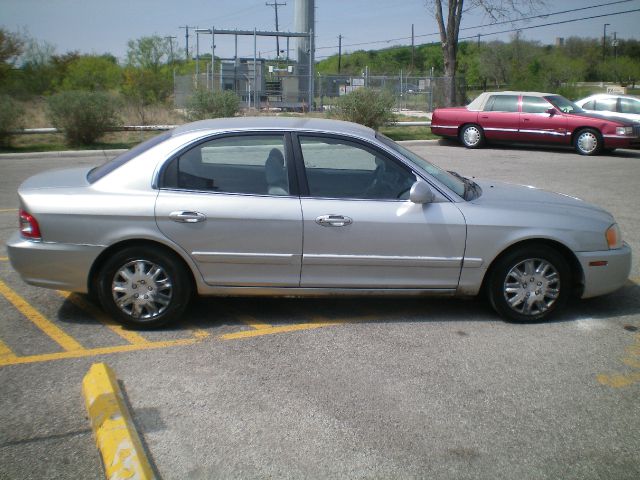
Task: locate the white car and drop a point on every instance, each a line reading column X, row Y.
column 622, row 106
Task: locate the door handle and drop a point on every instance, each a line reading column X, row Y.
column 187, row 217
column 333, row 220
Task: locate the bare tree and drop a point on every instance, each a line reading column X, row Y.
column 449, row 27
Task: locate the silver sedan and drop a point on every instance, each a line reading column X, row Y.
column 304, row 207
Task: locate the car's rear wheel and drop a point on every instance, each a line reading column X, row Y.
column 472, row 136
column 144, row 287
column 588, row 142
column 529, row 284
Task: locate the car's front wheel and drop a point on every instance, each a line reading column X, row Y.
column 588, row 142
column 472, row 136
column 529, row 284
column 144, row 287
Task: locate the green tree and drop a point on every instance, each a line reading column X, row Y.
column 11, row 47
column 93, row 73
column 10, row 119
column 148, row 53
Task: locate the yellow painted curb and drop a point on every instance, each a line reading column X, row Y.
column 117, row 439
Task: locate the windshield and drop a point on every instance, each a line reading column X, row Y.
column 454, row 183
column 564, row 105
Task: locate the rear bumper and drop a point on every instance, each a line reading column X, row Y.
column 600, row 280
column 52, row 265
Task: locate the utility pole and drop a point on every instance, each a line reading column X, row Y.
column 413, row 48
column 339, row 52
column 604, row 42
column 170, row 38
column 275, row 5
column 186, row 37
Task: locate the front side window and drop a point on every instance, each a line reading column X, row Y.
column 339, row 168
column 535, row 105
column 502, row 103
column 606, row 105
column 250, row 164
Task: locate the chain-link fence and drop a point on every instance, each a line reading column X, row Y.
column 284, row 90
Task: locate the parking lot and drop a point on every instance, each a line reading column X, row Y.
column 334, row 388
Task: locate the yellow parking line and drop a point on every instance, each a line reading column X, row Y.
column 46, row 357
column 197, row 332
column 82, row 304
column 53, row 331
column 249, row 320
column 5, row 353
column 316, row 322
column 7, row 210
column 4, row 259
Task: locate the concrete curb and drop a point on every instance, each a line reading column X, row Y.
column 118, row 442
column 64, row 153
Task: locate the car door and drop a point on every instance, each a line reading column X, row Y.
column 500, row 117
column 537, row 125
column 231, row 203
column 360, row 231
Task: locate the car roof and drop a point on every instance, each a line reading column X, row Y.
column 276, row 123
column 610, row 95
column 479, row 102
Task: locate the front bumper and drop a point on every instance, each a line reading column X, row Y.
column 52, row 265
column 600, row 280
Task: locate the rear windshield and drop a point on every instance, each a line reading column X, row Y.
column 100, row 171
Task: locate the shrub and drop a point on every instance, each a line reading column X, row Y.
column 205, row 104
column 366, row 106
column 10, row 118
column 83, row 116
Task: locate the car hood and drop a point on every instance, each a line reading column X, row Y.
column 612, row 118
column 532, row 199
column 60, row 178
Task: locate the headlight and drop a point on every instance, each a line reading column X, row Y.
column 614, row 237
column 624, row 130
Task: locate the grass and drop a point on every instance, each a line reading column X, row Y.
column 54, row 142
column 408, row 133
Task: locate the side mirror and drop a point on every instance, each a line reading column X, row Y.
column 421, row 193
column 551, row 111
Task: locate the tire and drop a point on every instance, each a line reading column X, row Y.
column 472, row 136
column 144, row 287
column 588, row 142
column 529, row 284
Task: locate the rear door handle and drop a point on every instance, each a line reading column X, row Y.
column 333, row 220
column 187, row 217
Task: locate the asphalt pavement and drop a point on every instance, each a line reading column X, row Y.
column 339, row 388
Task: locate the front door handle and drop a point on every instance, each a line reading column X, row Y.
column 333, row 220
column 187, row 217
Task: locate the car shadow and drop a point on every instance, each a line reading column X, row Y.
column 228, row 313
column 622, row 153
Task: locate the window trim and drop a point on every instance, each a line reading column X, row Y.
column 302, row 171
column 288, row 158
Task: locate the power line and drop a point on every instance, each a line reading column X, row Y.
column 546, row 15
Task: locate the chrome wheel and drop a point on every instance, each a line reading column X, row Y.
column 472, row 136
column 587, row 142
column 142, row 289
column 531, row 287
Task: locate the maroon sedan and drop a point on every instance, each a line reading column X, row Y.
column 531, row 117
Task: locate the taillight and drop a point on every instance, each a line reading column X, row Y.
column 29, row 227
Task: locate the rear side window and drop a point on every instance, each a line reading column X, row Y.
column 535, row 105
column 589, row 105
column 249, row 164
column 606, row 105
column 98, row 172
column 502, row 103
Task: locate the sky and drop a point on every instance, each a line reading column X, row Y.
column 105, row 26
